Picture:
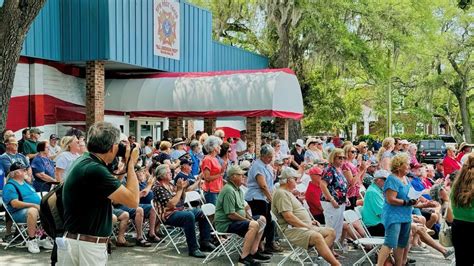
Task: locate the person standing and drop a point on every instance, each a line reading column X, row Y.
column 29, row 147
column 334, row 187
column 462, row 204
column 260, row 185
column 396, row 212
column 212, row 170
column 450, row 164
column 88, row 219
column 25, row 134
column 241, row 145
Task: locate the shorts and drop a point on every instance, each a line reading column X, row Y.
column 240, row 227
column 20, row 215
column 376, row 230
column 397, row 235
column 300, row 236
column 146, row 210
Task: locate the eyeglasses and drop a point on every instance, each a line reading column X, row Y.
column 365, row 147
column 341, row 157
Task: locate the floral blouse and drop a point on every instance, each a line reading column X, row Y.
column 337, row 184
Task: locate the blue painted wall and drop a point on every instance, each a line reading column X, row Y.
column 122, row 31
column 131, row 36
column 226, row 57
column 44, row 37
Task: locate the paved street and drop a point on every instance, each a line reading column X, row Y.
column 145, row 256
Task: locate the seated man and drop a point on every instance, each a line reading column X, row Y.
column 23, row 204
column 372, row 210
column 296, row 222
column 313, row 194
column 373, row 203
column 185, row 173
column 122, row 217
column 138, row 215
column 170, row 207
column 232, row 217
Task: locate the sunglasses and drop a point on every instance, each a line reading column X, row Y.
column 353, row 152
column 365, row 147
column 341, row 157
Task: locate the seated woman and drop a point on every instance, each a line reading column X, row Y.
column 170, row 207
column 43, row 168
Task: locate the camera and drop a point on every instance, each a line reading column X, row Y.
column 122, row 148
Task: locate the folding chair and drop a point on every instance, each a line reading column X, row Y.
column 358, row 210
column 231, row 244
column 174, row 234
column 296, row 252
column 192, row 196
column 351, row 217
column 21, row 228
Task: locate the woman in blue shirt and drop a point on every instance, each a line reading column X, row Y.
column 43, row 168
column 396, row 213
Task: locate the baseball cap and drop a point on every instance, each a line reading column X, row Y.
column 234, row 170
column 381, row 174
column 36, row 130
column 245, row 165
column 315, row 170
column 16, row 166
column 185, row 160
column 53, row 136
column 289, row 173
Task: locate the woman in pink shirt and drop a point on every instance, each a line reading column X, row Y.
column 353, row 174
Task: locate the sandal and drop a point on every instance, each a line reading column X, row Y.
column 143, row 243
column 153, row 239
column 124, row 244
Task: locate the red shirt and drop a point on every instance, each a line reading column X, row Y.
column 313, row 198
column 450, row 165
column 212, row 164
column 460, row 155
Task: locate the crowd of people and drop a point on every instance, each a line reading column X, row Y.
column 304, row 191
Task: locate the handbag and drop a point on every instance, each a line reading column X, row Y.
column 445, row 234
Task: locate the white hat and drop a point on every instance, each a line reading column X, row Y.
column 404, row 142
column 299, row 142
column 288, row 173
column 245, row 165
column 381, row 174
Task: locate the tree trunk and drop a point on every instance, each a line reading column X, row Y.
column 16, row 17
column 465, row 115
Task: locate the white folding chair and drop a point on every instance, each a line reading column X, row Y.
column 351, row 217
column 192, row 196
column 358, row 210
column 228, row 243
column 174, row 234
column 298, row 253
column 21, row 228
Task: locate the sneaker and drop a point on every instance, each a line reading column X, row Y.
column 418, row 249
column 33, row 246
column 45, row 243
column 260, row 257
column 249, row 260
column 448, row 254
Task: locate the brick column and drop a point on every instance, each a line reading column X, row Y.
column 175, row 127
column 95, row 87
column 254, row 132
column 281, row 128
column 189, row 128
column 209, row 125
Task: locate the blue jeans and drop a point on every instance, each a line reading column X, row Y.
column 397, row 235
column 187, row 220
column 211, row 197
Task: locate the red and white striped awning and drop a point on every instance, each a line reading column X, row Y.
column 267, row 92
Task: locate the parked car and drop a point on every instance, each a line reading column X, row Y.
column 449, row 141
column 431, row 150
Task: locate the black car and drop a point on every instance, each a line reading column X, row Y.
column 431, row 150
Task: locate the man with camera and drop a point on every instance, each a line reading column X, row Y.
column 87, row 195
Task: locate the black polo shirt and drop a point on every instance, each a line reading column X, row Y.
column 87, row 208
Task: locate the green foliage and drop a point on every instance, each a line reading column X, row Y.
column 415, row 138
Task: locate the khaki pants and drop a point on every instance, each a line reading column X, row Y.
column 76, row 252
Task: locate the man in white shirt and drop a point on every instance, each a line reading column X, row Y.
column 241, row 146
